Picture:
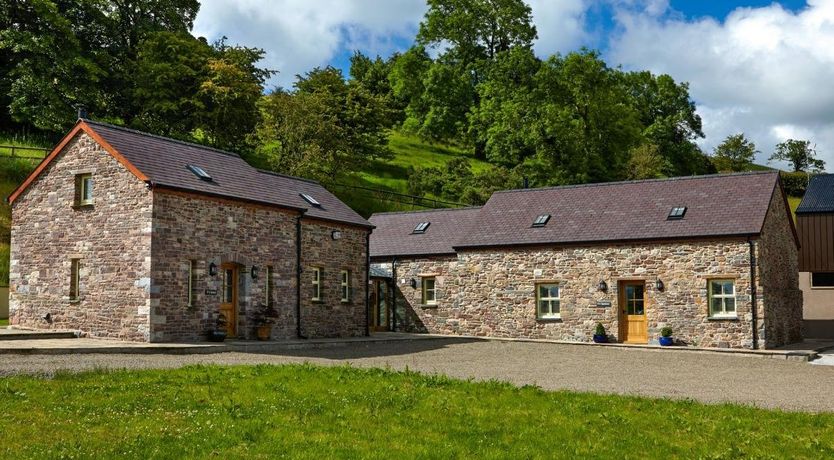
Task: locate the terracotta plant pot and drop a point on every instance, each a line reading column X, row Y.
column 264, row 332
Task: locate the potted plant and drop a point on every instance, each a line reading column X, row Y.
column 599, row 334
column 218, row 334
column 666, row 336
column 264, row 318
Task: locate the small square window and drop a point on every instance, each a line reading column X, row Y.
column 541, row 220
column 311, row 200
column 421, row 227
column 722, row 299
column 429, row 291
column 345, row 286
column 84, row 190
column 548, row 301
column 822, row 280
column 677, row 213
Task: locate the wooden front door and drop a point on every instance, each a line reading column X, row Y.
column 379, row 306
column 634, row 327
column 228, row 301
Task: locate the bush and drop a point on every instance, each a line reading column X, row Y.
column 600, row 329
column 795, row 183
column 666, row 332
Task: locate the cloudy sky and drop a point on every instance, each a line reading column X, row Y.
column 759, row 67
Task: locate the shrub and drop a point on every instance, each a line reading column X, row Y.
column 666, row 331
column 600, row 329
column 795, row 183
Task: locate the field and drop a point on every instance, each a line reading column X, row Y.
column 312, row 412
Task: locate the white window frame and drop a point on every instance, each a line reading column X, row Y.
column 344, row 285
column 540, row 314
column 426, row 290
column 711, row 295
column 316, row 284
column 268, row 286
column 85, row 185
column 75, row 280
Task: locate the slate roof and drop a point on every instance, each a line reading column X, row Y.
column 819, row 196
column 165, row 162
column 393, row 233
column 716, row 206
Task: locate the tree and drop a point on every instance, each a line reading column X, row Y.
column 407, row 75
column 736, row 153
column 645, row 162
column 800, row 154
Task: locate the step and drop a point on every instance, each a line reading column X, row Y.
column 18, row 334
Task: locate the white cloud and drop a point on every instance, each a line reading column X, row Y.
column 560, row 25
column 301, row 34
column 764, row 71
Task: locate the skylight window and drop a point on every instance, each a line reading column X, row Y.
column 677, row 213
column 421, row 227
column 200, row 172
column 541, row 220
column 310, row 200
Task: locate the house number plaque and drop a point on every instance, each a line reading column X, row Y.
column 211, row 291
column 604, row 303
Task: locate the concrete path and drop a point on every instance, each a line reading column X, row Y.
column 826, row 359
column 708, row 377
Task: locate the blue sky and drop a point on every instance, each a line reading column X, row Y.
column 758, row 67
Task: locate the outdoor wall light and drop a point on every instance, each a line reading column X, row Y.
column 336, row 235
column 254, row 272
column 602, row 286
column 213, row 269
column 659, row 285
column 413, row 283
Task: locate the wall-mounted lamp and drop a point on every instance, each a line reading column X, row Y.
column 602, row 286
column 47, row 317
column 213, row 269
column 413, row 283
column 336, row 234
column 254, row 272
column 659, row 285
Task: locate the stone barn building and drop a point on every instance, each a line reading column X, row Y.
column 712, row 257
column 126, row 235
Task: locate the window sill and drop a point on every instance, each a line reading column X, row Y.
column 74, row 301
column 429, row 305
column 722, row 318
column 317, row 301
column 549, row 320
column 83, row 206
column 345, row 302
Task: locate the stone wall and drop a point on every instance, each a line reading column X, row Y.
column 778, row 262
column 190, row 227
column 330, row 317
column 492, row 293
column 112, row 238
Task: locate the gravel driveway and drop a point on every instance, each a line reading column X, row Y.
column 706, row 377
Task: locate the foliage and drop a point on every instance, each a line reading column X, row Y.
column 456, row 181
column 666, row 331
column 308, row 411
column 800, row 154
column 736, row 153
column 324, row 129
column 645, row 162
column 795, row 183
column 599, row 329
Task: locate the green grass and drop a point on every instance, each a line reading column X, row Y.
column 4, row 322
column 302, row 411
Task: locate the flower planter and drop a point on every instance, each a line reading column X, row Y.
column 598, row 338
column 264, row 332
column 216, row 336
column 666, row 341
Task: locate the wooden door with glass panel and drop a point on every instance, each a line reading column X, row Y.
column 228, row 300
column 633, row 323
column 379, row 306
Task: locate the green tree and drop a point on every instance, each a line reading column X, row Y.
column 800, row 154
column 408, row 72
column 736, row 153
column 645, row 162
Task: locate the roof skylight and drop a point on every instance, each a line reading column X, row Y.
column 421, row 227
column 310, row 200
column 677, row 213
column 200, row 172
column 541, row 220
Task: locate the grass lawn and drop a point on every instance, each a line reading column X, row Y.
column 312, row 412
column 4, row 322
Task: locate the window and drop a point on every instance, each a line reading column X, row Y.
column 268, row 286
column 541, row 220
column 822, row 280
column 192, row 281
column 75, row 279
column 316, row 284
column 722, row 298
column 429, row 291
column 345, row 286
column 676, row 213
column 310, row 200
column 547, row 301
column 84, row 189
column 200, row 172
column 421, row 227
